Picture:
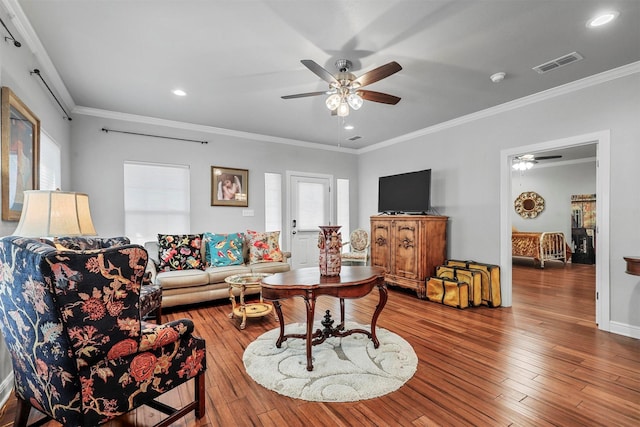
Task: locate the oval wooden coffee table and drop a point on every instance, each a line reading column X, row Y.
column 307, row 283
column 244, row 309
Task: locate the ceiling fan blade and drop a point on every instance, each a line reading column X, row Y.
column 378, row 74
column 383, row 98
column 319, row 71
column 547, row 157
column 302, row 95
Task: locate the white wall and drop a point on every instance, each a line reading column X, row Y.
column 555, row 183
column 465, row 163
column 15, row 64
column 98, row 159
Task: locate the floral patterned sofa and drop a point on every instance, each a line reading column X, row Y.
column 81, row 353
column 191, row 268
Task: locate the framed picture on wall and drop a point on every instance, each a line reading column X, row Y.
column 20, row 153
column 229, row 187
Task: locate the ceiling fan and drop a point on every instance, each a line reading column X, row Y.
column 526, row 161
column 345, row 88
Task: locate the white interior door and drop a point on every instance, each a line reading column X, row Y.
column 309, row 206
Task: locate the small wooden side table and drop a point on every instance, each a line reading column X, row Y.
column 633, row 265
column 244, row 309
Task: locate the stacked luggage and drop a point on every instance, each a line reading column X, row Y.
column 463, row 284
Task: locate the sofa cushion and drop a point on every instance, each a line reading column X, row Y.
column 182, row 278
column 179, row 252
column 224, row 249
column 218, row 274
column 264, row 247
column 270, row 267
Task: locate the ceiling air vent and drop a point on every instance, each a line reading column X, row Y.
column 354, row 138
column 558, row 62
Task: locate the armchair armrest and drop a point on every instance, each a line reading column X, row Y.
column 151, row 271
column 151, row 337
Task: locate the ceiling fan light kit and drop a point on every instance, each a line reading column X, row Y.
column 344, row 87
column 526, row 161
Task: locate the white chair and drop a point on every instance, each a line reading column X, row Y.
column 358, row 247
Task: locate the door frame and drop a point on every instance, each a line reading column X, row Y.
column 288, row 175
column 603, row 177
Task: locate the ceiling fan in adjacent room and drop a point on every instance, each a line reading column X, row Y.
column 526, row 161
column 345, row 88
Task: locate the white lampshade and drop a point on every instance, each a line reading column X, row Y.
column 343, row 109
column 333, row 101
column 355, row 101
column 55, row 214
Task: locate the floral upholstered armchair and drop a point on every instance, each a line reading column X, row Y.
column 81, row 353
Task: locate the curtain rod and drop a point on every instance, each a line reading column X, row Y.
column 36, row 71
column 16, row 43
column 154, row 136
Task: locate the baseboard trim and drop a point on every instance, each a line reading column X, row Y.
column 624, row 329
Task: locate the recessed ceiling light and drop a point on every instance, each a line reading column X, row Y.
column 498, row 77
column 348, row 127
column 602, row 19
column 179, row 92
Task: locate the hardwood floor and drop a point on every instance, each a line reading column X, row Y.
column 541, row 362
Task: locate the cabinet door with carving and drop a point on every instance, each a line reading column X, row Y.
column 406, row 241
column 380, row 241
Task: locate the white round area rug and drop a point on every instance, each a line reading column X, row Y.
column 344, row 369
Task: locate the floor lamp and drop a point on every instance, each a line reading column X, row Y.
column 48, row 213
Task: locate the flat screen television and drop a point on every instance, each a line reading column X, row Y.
column 408, row 193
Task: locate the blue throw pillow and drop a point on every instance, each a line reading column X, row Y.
column 224, row 249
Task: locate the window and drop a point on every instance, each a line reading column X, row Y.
column 156, row 200
column 273, row 202
column 342, row 207
column 50, row 170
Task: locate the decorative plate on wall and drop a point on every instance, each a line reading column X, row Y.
column 529, row 204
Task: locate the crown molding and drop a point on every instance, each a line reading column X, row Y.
column 31, row 40
column 606, row 76
column 106, row 114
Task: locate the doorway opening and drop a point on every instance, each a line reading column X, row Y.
column 602, row 140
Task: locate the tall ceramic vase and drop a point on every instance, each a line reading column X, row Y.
column 330, row 245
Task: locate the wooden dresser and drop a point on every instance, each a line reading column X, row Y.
column 409, row 248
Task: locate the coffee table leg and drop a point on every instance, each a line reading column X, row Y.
column 383, row 300
column 341, row 326
column 310, row 301
column 243, row 308
column 276, row 304
column 233, row 301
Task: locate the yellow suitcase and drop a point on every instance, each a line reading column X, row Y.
column 490, row 274
column 473, row 278
column 448, row 292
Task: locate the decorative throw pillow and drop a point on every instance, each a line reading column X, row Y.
column 224, row 249
column 179, row 252
column 264, row 247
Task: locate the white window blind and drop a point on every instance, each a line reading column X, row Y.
column 342, row 207
column 50, row 170
column 156, row 200
column 273, row 202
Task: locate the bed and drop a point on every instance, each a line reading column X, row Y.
column 542, row 247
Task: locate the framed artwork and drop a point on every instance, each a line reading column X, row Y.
column 229, row 187
column 20, row 154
